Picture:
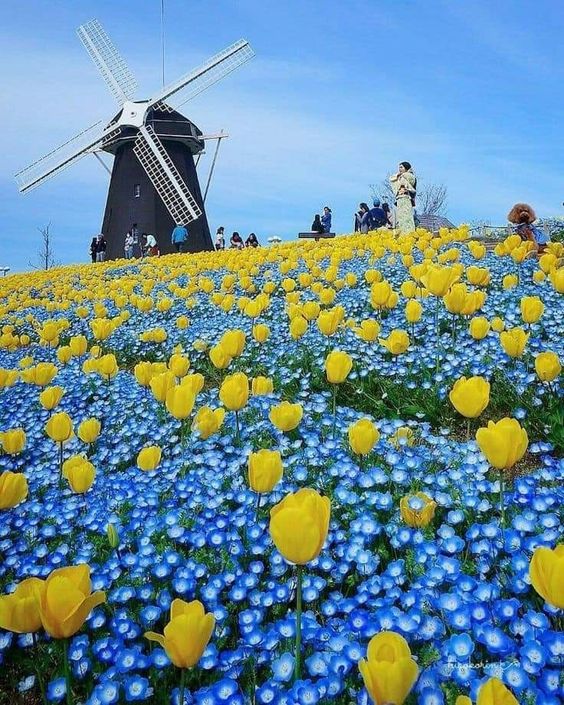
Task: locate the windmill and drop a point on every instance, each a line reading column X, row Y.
column 153, row 180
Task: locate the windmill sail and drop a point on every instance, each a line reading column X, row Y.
column 176, row 94
column 165, row 177
column 108, row 60
column 94, row 137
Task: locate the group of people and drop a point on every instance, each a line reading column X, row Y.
column 236, row 242
column 322, row 223
column 98, row 248
column 378, row 216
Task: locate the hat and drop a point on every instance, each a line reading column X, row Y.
column 376, row 202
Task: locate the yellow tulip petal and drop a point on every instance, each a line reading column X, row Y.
column 153, row 636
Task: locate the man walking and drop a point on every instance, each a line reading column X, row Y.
column 179, row 237
column 101, row 246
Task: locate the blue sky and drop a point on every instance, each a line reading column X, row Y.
column 469, row 91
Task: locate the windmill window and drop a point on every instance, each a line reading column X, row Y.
column 137, row 190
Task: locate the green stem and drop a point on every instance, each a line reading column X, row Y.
column 182, row 685
column 258, row 507
column 298, row 669
column 437, row 334
column 468, row 429
column 334, row 408
column 238, row 434
column 61, row 456
column 501, row 498
column 38, row 669
column 67, row 670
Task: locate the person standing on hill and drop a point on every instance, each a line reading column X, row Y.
column 326, row 220
column 93, row 249
column 101, row 247
column 377, row 215
column 179, row 238
column 128, row 246
column 404, row 184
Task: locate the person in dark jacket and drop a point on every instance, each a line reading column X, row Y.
column 316, row 226
column 93, row 249
column 388, row 213
column 236, row 241
column 377, row 215
column 252, row 241
column 362, row 219
column 326, row 219
column 101, row 246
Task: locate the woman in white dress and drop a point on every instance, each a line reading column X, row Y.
column 404, row 184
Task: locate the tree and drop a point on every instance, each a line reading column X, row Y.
column 45, row 254
column 431, row 198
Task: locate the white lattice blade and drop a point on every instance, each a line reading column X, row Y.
column 165, row 177
column 63, row 156
column 176, row 94
column 108, row 60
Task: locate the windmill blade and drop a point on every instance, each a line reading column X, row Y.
column 176, row 94
column 94, row 137
column 165, row 177
column 108, row 60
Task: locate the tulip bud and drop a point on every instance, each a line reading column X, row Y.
column 78, row 345
column 389, row 671
column 299, row 525
column 59, row 427
column 470, row 396
column 234, row 391
column 265, row 470
column 503, row 443
column 546, row 570
column 547, row 366
column 208, row 421
column 532, row 309
column 233, row 342
column 286, row 416
column 81, row 476
column 495, row 692
column 180, row 401
column 298, row 326
column 261, row 332
column 179, row 365
column 89, row 430
column 413, row 311
column 397, row 342
column 261, row 386
column 363, row 436
column 149, row 458
column 337, row 366
column 113, row 536
column 219, row 357
column 13, row 489
column 50, row 397
column 513, row 341
column 13, row 441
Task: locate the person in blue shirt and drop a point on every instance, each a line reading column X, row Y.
column 377, row 215
column 179, row 237
column 326, row 219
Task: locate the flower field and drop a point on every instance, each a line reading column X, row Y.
column 224, row 475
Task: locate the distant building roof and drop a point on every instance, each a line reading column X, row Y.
column 434, row 222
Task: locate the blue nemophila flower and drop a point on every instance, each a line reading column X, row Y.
column 56, row 690
column 137, row 688
column 283, row 668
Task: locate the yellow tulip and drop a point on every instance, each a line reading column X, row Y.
column 463, row 700
column 265, row 470
column 182, row 322
column 286, row 416
column 503, row 443
column 539, row 276
column 102, row 328
column 107, row 366
column 13, row 489
column 180, row 401
column 513, row 341
column 233, row 342
column 234, row 391
column 532, row 309
column 556, row 277
column 337, row 366
column 494, row 692
column 438, row 280
column 219, row 357
column 42, row 374
column 299, row 525
column 143, row 372
column 81, row 476
column 478, row 276
column 470, row 396
column 50, row 397
column 187, row 633
column 417, row 510
column 208, row 421
column 298, row 326
column 89, row 430
column 78, row 345
column 311, row 310
column 455, row 298
column 13, row 441
column 194, row 382
column 397, row 342
column 67, row 600
column 59, row 427
column 498, row 324
column 7, row 378
column 328, row 321
column 261, row 332
column 380, row 292
column 261, row 386
column 363, row 436
column 510, row 281
column 479, row 327
column 149, row 458
column 368, row 330
column 200, row 345
column 19, row 611
column 389, row 671
column 547, row 366
column 64, row 354
column 179, row 365
column 403, row 436
column 413, row 311
column 547, row 262
column 546, row 571
column 161, row 384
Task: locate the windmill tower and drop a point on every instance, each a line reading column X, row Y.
column 153, row 180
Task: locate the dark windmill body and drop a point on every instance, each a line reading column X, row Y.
column 132, row 197
column 153, row 183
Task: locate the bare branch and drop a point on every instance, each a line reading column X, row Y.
column 45, row 254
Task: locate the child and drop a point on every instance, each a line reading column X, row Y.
column 523, row 216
